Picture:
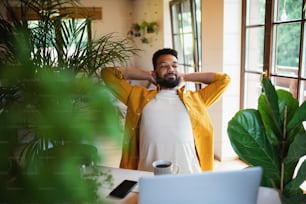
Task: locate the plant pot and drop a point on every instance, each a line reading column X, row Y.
column 268, row 195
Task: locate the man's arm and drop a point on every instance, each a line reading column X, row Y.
column 202, row 77
column 131, row 73
column 216, row 84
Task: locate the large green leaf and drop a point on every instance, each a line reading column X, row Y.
column 296, row 150
column 272, row 127
column 295, row 124
column 293, row 187
column 248, row 138
column 269, row 111
column 286, row 102
column 272, row 98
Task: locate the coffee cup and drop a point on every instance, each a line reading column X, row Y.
column 164, row 167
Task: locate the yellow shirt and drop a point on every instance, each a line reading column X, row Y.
column 196, row 102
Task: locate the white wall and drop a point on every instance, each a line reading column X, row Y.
column 232, row 53
column 221, row 22
column 148, row 10
column 116, row 16
column 119, row 15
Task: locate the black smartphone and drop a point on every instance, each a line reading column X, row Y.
column 123, row 189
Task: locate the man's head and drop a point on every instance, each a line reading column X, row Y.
column 165, row 51
column 165, row 68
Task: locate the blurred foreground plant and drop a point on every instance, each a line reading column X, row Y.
column 53, row 106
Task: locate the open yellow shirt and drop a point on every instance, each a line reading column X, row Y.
column 196, row 102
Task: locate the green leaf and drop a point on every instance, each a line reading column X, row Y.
column 297, row 199
column 293, row 187
column 296, row 150
column 269, row 111
column 297, row 119
column 270, row 93
column 286, row 101
column 248, row 138
column 273, row 131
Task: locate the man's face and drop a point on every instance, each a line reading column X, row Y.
column 166, row 71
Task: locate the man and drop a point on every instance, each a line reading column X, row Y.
column 168, row 122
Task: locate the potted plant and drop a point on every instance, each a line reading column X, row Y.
column 274, row 138
column 53, row 105
column 152, row 27
column 142, row 29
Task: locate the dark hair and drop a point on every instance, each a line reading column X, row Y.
column 164, row 51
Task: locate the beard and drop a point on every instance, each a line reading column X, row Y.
column 168, row 83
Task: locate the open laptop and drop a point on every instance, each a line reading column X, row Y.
column 218, row 187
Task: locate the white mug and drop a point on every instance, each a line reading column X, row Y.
column 164, row 167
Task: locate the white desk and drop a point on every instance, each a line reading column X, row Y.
column 118, row 176
column 265, row 196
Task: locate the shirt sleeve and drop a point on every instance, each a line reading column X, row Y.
column 213, row 91
column 113, row 79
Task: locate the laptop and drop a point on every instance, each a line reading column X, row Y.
column 215, row 187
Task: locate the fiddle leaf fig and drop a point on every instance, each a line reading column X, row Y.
column 269, row 111
column 286, row 102
column 249, row 140
column 274, row 138
column 293, row 193
column 296, row 150
column 297, row 119
column 272, row 127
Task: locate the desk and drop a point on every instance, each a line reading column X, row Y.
column 118, row 176
column 265, row 196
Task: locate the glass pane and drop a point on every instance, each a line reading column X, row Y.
column 255, row 12
column 198, row 42
column 254, row 49
column 288, row 10
column 252, row 90
column 188, row 49
column 44, row 47
column 303, row 73
column 286, row 49
column 187, row 20
column 178, row 45
column 288, row 84
column 302, row 91
column 76, row 35
column 189, row 85
column 176, row 18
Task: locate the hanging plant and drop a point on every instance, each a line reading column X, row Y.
column 145, row 40
column 142, row 29
column 152, row 27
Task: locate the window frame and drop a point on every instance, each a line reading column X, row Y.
column 195, row 7
column 270, row 24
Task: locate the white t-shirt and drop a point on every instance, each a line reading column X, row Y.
column 166, row 133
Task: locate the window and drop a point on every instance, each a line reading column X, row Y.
column 273, row 43
column 186, row 34
column 68, row 31
column 53, row 47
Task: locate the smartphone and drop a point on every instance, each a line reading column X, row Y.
column 123, row 189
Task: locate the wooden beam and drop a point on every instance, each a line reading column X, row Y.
column 94, row 13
